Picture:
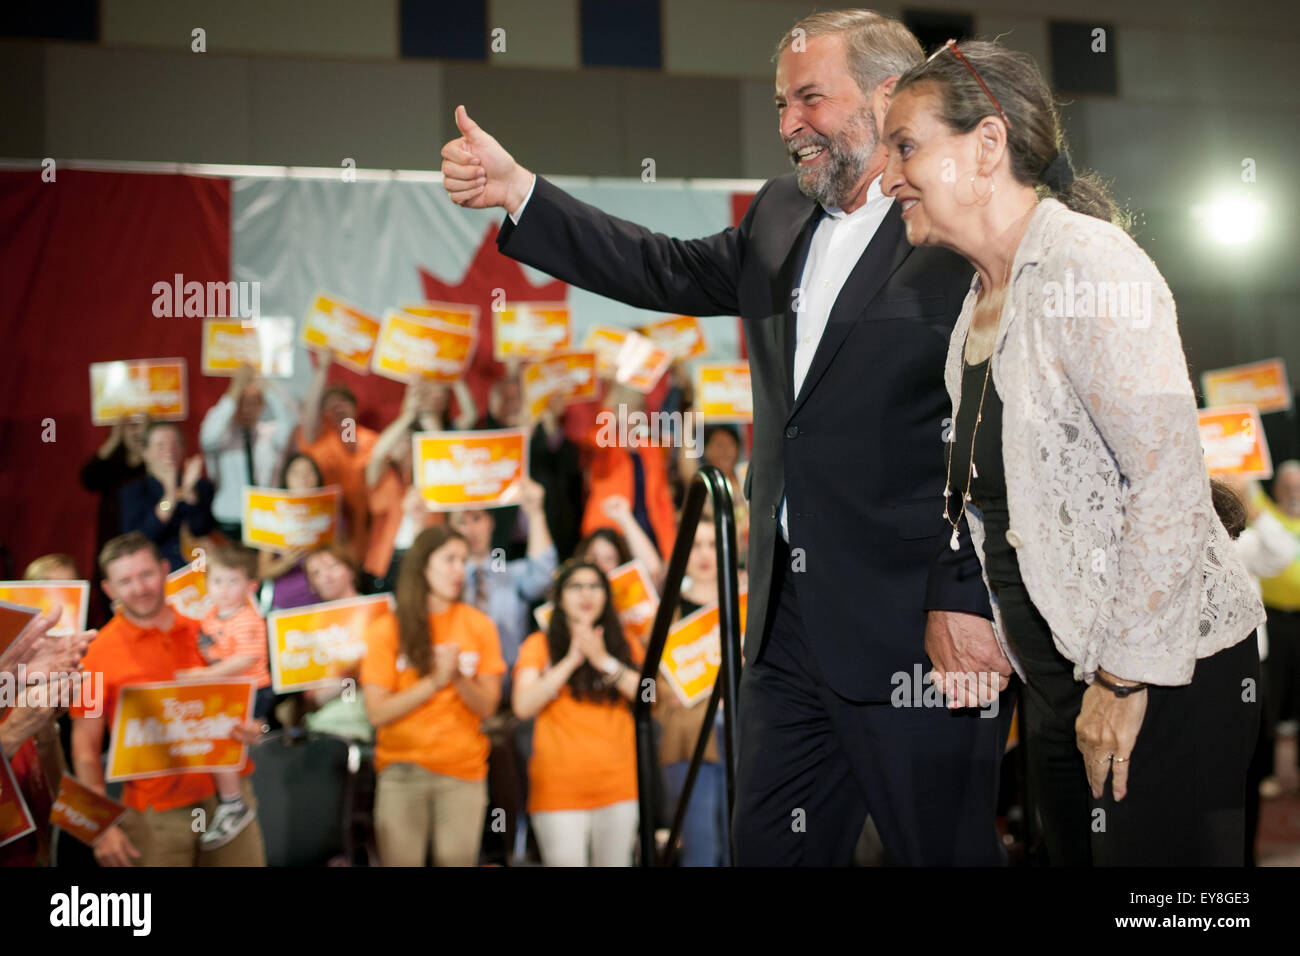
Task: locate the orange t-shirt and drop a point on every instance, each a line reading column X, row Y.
column 243, row 634
column 584, row 752
column 347, row 469
column 127, row 654
column 442, row 734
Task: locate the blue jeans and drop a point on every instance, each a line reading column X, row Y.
column 705, row 828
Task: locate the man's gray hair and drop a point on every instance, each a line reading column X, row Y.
column 876, row 46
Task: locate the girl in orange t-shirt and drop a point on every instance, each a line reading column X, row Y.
column 577, row 678
column 431, row 674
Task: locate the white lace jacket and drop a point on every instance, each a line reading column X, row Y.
column 1110, row 512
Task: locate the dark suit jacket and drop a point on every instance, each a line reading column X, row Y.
column 859, row 452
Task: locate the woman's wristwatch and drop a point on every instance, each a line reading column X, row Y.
column 1119, row 690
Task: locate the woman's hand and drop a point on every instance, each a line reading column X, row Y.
column 589, row 640
column 446, row 664
column 1106, row 731
column 575, row 656
column 190, row 479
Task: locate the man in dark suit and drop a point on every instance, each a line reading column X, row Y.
column 847, row 328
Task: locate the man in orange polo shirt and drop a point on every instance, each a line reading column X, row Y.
column 328, row 431
column 148, row 641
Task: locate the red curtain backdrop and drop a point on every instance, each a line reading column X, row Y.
column 78, row 260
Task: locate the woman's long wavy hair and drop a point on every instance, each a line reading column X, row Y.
column 1035, row 136
column 586, row 683
column 415, row 641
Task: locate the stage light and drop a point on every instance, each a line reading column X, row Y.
column 1230, row 219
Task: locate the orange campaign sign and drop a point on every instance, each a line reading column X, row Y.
column 280, row 520
column 682, row 335
column 1262, row 384
column 723, row 392
column 315, row 645
column 693, row 653
column 342, row 328
column 1234, row 442
column 266, row 344
column 15, row 819
column 571, row 374
column 179, row 727
column 72, row 596
column 640, row 363
column 461, row 316
column 14, row 619
column 635, row 599
column 186, row 590
column 153, row 387
column 606, row 341
column 460, row 471
column 82, row 813
column 412, row 345
column 528, row 329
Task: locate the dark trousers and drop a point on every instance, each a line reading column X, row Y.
column 1187, row 776
column 813, row 764
column 1282, row 667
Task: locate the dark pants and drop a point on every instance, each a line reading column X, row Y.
column 813, row 764
column 1187, row 777
column 1282, row 666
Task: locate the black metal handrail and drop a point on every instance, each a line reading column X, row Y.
column 709, row 482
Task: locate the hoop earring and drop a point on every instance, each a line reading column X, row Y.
column 979, row 199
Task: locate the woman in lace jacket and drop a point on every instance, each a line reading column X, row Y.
column 1075, row 461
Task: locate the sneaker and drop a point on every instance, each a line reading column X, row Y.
column 227, row 823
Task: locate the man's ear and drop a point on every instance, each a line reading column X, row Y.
column 108, row 590
column 881, row 97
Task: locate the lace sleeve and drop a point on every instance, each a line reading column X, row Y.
column 1123, row 355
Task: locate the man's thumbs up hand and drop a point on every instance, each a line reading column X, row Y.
column 478, row 173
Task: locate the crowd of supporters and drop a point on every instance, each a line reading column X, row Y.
column 459, row 676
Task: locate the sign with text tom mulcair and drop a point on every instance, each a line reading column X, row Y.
column 153, row 387
column 465, row 471
column 280, row 520
column 173, row 727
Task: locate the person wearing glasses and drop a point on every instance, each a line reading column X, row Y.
column 577, row 678
column 1076, row 462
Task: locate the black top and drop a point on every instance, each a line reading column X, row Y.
column 988, row 486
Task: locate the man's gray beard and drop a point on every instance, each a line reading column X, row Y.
column 833, row 185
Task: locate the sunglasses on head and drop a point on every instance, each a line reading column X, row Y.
column 952, row 46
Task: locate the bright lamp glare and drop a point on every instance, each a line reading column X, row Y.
column 1230, row 220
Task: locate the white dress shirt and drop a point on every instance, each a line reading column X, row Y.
column 837, row 244
column 222, row 442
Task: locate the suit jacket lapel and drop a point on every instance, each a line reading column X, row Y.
column 786, row 278
column 883, row 255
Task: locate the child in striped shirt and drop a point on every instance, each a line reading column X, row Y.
column 232, row 638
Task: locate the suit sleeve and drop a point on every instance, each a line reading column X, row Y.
column 578, row 243
column 956, row 583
